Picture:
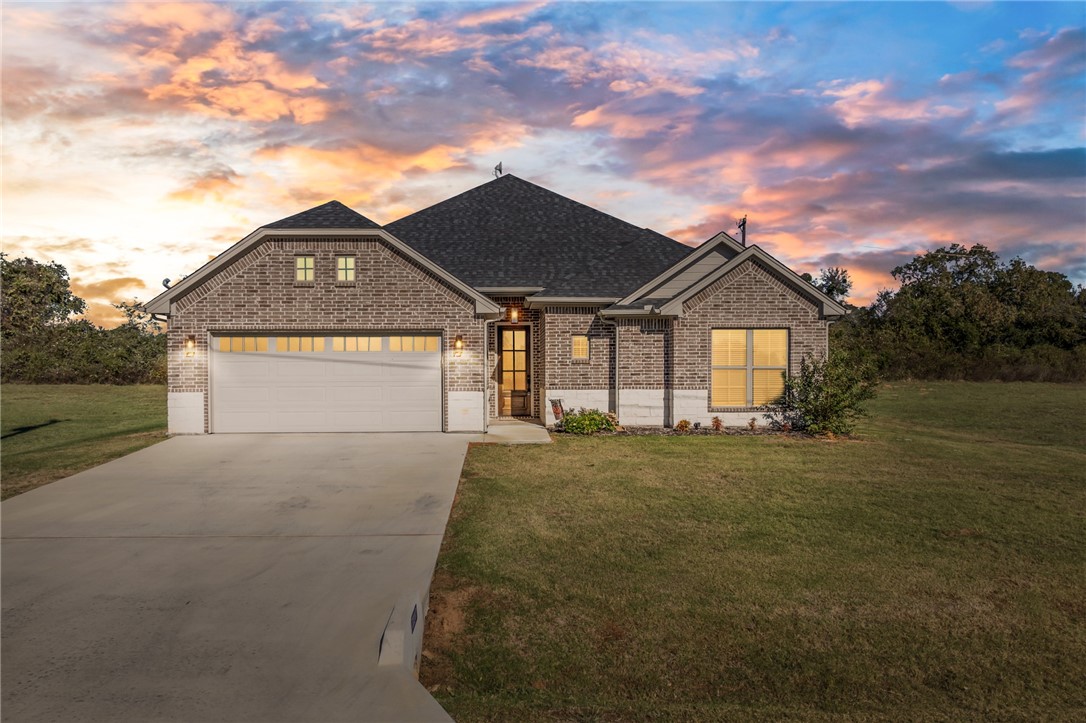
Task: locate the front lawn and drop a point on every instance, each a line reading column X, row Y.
column 934, row 568
column 53, row 431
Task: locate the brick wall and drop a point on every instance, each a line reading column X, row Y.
column 563, row 372
column 748, row 297
column 644, row 356
column 258, row 293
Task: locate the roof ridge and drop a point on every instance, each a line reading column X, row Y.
column 330, row 214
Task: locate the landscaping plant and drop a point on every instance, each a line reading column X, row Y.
column 589, row 421
column 825, row 396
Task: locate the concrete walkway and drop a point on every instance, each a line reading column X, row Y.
column 514, row 431
column 229, row 578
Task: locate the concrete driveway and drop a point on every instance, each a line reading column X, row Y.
column 228, row 578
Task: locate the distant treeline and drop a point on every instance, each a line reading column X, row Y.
column 42, row 344
column 961, row 313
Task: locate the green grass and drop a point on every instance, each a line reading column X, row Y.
column 53, row 431
column 933, row 568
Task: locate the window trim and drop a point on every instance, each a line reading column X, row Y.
column 749, row 367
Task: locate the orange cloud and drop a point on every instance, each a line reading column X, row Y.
column 227, row 79
column 215, row 185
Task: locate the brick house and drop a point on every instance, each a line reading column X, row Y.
column 489, row 304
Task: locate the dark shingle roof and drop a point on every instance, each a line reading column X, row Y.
column 329, row 215
column 510, row 233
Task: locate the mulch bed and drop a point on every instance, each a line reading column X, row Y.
column 702, row 432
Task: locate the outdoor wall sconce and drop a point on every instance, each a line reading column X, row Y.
column 190, row 345
column 514, row 315
column 458, row 345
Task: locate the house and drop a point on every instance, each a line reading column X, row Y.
column 486, row 305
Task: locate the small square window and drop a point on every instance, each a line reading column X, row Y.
column 345, row 268
column 303, row 268
column 580, row 347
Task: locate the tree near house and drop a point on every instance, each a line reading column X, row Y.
column 43, row 343
column 35, row 295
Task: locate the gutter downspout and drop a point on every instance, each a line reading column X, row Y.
column 617, row 377
column 486, row 369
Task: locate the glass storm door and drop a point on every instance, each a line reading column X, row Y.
column 513, row 389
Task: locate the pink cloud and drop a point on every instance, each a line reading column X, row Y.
column 499, row 13
column 870, row 101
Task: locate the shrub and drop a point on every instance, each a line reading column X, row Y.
column 717, row 424
column 682, row 426
column 589, row 421
column 825, row 397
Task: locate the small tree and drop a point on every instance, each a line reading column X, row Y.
column 834, row 282
column 826, row 396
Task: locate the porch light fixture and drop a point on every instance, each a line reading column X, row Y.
column 458, row 345
column 190, row 345
column 514, row 315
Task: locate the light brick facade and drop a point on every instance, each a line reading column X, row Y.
column 258, row 293
column 748, row 297
column 664, row 363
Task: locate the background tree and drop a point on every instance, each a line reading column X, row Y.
column 43, row 343
column 834, row 282
column 961, row 313
column 35, row 295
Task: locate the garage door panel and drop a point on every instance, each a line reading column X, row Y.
column 248, row 369
column 251, row 421
column 407, row 369
column 294, row 368
column 357, row 421
column 369, row 396
column 415, row 396
column 245, row 396
column 326, row 392
column 301, row 395
column 408, row 421
column 361, row 369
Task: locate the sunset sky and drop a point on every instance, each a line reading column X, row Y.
column 141, row 139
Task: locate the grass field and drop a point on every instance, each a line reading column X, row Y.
column 933, row 568
column 53, row 431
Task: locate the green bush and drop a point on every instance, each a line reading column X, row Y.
column 825, row 397
column 589, row 421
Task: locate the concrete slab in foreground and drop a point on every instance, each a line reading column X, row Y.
column 226, row 578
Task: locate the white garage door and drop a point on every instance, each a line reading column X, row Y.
column 343, row 383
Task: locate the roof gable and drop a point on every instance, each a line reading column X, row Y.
column 512, row 233
column 328, row 215
column 163, row 303
column 827, row 306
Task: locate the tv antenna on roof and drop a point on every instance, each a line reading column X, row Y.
column 741, row 224
column 498, row 169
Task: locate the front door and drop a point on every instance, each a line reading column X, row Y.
column 514, row 397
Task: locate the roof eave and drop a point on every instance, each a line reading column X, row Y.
column 534, row 302
column 827, row 307
column 699, row 252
